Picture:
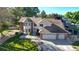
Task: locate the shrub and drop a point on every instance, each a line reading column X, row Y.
column 16, row 33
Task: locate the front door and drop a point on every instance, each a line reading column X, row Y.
column 34, row 32
column 37, row 32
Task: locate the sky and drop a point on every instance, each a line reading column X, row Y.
column 59, row 10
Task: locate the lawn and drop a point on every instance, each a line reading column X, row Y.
column 5, row 32
column 17, row 44
column 76, row 45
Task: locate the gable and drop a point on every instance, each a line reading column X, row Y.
column 45, row 22
column 27, row 20
column 53, row 29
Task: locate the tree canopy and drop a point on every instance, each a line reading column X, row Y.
column 5, row 14
column 31, row 11
column 19, row 12
column 55, row 15
column 43, row 14
column 74, row 16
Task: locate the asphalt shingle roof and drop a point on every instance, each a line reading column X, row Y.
column 57, row 26
column 53, row 29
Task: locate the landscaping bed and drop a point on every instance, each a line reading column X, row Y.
column 76, row 45
column 17, row 44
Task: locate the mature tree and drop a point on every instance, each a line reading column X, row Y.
column 69, row 15
column 49, row 16
column 74, row 16
column 3, row 26
column 17, row 13
column 31, row 11
column 56, row 16
column 5, row 19
column 5, row 14
column 43, row 14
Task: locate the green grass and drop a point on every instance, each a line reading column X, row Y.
column 17, row 44
column 76, row 45
column 6, row 31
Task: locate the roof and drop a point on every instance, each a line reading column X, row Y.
column 39, row 20
column 57, row 22
column 22, row 19
column 53, row 29
column 57, row 27
column 34, row 19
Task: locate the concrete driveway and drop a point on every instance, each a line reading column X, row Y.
column 64, row 45
column 51, row 45
column 55, row 45
column 46, row 45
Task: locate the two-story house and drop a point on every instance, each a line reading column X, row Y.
column 47, row 28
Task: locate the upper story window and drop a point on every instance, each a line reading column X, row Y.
column 29, row 23
column 26, row 30
column 41, row 25
column 26, row 24
column 29, row 30
column 35, row 25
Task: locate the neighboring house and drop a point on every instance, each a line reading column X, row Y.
column 66, row 22
column 47, row 28
column 70, row 27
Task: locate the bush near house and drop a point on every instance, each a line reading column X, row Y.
column 17, row 44
column 76, row 45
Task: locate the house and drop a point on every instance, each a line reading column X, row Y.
column 70, row 26
column 66, row 22
column 48, row 28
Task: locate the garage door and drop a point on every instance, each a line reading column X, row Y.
column 61, row 36
column 49, row 36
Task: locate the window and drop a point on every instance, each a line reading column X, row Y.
column 29, row 23
column 26, row 30
column 41, row 25
column 29, row 30
column 34, row 24
column 26, row 24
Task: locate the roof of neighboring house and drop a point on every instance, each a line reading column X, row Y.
column 53, row 29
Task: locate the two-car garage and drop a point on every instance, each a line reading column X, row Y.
column 53, row 32
column 47, row 36
column 53, row 36
column 62, row 36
